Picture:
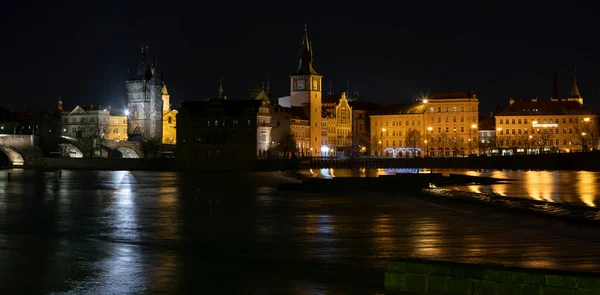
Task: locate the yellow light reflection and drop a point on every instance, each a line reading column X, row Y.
column 428, row 242
column 586, row 187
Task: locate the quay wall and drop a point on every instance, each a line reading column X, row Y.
column 160, row 164
column 413, row 276
column 568, row 161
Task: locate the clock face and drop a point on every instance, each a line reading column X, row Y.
column 300, row 84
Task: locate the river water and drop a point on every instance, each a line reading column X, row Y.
column 573, row 187
column 121, row 232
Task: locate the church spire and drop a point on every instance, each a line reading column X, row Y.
column 268, row 89
column 575, row 90
column 305, row 66
column 221, row 92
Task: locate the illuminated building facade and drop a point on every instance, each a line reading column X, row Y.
column 290, row 124
column 451, row 122
column 545, row 126
column 86, row 122
column 397, row 130
column 361, row 134
column 558, row 125
column 442, row 125
column 169, row 119
column 117, row 129
column 338, row 115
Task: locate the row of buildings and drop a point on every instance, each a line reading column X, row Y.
column 226, row 132
column 306, row 123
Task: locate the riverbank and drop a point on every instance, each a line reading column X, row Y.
column 567, row 161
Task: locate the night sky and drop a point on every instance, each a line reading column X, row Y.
column 392, row 52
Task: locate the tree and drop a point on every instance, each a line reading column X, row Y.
column 287, row 145
column 586, row 132
column 361, row 139
column 150, row 146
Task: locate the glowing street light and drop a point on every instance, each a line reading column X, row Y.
column 126, row 112
column 586, row 119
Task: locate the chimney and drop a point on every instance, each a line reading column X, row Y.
column 511, row 101
column 555, row 89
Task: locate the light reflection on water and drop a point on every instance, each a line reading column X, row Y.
column 123, row 232
column 578, row 187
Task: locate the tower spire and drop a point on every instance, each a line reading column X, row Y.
column 305, row 66
column 221, row 92
column 268, row 89
column 575, row 90
column 145, row 67
column 330, row 89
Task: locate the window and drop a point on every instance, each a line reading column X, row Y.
column 462, row 129
column 501, row 121
column 564, row 141
column 454, row 109
column 249, row 122
column 431, row 109
column 519, row 121
column 453, row 119
column 439, row 109
column 207, row 123
column 525, row 121
column 462, row 108
column 462, row 119
column 169, row 119
column 446, row 109
column 513, row 121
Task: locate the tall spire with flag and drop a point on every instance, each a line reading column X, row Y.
column 575, row 95
column 221, row 92
column 575, row 89
column 305, row 66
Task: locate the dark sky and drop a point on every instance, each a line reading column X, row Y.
column 390, row 51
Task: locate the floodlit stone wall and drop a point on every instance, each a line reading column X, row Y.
column 434, row 277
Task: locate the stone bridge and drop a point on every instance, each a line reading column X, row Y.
column 20, row 150
column 73, row 148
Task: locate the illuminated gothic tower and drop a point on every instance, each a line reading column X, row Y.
column 306, row 92
column 145, row 100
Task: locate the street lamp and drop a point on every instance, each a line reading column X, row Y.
column 498, row 132
column 473, row 126
column 429, row 129
column 427, row 146
column 529, row 143
column 382, row 131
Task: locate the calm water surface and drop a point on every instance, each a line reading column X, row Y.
column 577, row 187
column 120, row 232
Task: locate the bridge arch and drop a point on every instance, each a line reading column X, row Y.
column 69, row 150
column 14, row 157
column 127, row 152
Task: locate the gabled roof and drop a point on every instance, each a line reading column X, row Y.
column 532, row 108
column 364, row 106
column 262, row 96
column 399, row 109
column 447, row 95
column 331, row 99
column 78, row 111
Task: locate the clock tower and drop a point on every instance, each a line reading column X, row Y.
column 305, row 87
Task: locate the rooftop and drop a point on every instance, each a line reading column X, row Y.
column 531, row 108
column 231, row 108
column 399, row 109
